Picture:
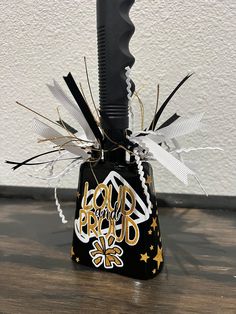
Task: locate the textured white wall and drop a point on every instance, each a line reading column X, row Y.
column 41, row 40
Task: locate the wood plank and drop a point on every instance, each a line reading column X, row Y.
column 37, row 275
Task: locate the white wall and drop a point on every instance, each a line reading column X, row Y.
column 41, row 40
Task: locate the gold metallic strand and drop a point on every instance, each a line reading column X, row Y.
column 118, row 145
column 70, row 133
column 39, row 114
column 44, row 117
column 141, row 109
column 157, row 104
column 82, row 91
column 89, row 86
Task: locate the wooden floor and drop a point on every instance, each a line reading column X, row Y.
column 37, row 275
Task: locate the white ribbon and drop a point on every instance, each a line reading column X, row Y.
column 57, row 138
column 150, row 141
column 181, row 126
column 172, row 164
column 72, row 108
column 75, row 163
column 193, row 149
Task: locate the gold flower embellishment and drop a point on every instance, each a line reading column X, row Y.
column 106, row 252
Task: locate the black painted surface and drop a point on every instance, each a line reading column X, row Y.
column 132, row 265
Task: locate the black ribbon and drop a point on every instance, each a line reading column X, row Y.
column 162, row 108
column 24, row 163
column 83, row 106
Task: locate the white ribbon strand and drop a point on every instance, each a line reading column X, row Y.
column 181, row 126
column 192, row 149
column 176, row 167
column 72, row 165
column 57, row 138
column 72, row 108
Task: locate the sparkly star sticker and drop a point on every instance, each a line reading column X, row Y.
column 151, row 247
column 154, row 271
column 154, row 223
column 150, row 232
column 159, row 257
column 77, row 259
column 144, row 257
column 149, row 180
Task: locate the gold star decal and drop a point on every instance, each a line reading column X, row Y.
column 77, row 259
column 144, row 257
column 154, row 271
column 154, row 223
column 151, row 247
column 159, row 257
column 72, row 253
column 150, row 232
column 149, row 180
column 77, row 194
